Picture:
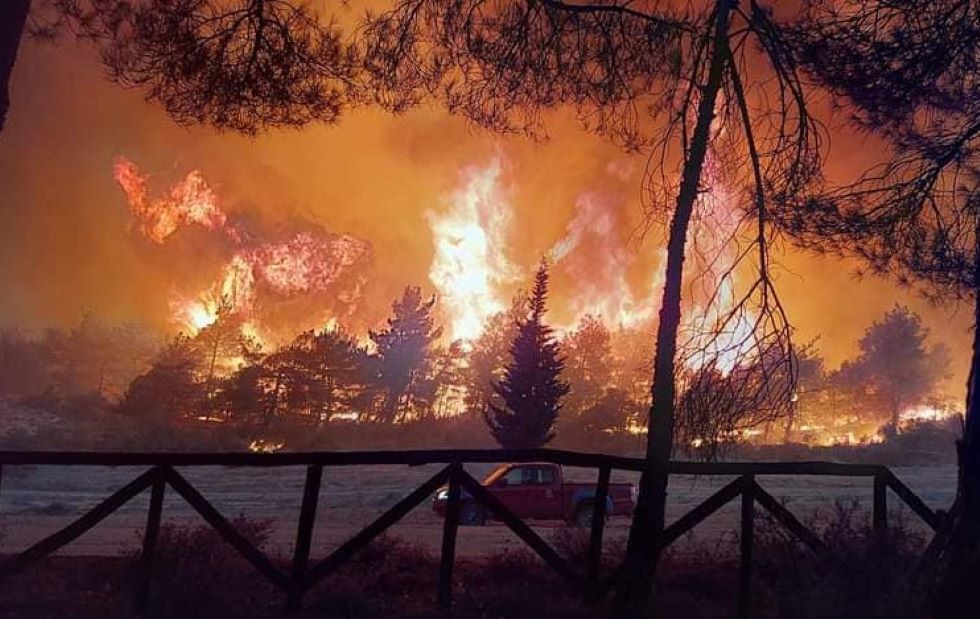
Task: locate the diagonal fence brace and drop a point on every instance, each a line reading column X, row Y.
column 224, row 528
column 522, row 530
column 376, row 528
column 77, row 528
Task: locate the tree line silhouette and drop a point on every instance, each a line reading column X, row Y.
column 524, row 382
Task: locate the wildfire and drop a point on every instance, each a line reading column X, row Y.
column 196, row 314
column 721, row 335
column 926, row 413
column 472, row 270
column 302, row 264
column 470, row 263
column 263, row 446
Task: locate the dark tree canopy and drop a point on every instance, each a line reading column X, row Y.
column 717, row 404
column 170, row 389
column 909, row 70
column 13, row 18
column 315, row 376
column 532, row 387
column 588, row 364
column 244, row 396
column 503, row 64
column 896, row 364
column 243, row 65
column 404, row 352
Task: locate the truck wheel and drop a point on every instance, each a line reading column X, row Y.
column 583, row 515
column 472, row 515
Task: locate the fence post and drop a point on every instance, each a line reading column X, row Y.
column 304, row 538
column 880, row 509
column 746, row 543
column 150, row 536
column 449, row 529
column 598, row 525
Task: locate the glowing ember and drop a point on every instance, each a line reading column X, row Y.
column 305, row 263
column 926, row 413
column 265, row 447
column 470, row 263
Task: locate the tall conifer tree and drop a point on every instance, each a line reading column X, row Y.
column 532, row 386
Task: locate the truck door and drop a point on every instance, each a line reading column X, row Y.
column 547, row 492
column 512, row 491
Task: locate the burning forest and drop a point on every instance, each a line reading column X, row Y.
column 275, row 345
column 661, row 256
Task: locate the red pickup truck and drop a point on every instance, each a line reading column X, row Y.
column 538, row 490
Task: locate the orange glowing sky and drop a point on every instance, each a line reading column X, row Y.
column 66, row 247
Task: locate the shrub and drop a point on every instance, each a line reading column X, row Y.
column 197, row 574
column 864, row 576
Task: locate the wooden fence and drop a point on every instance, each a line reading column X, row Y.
column 301, row 575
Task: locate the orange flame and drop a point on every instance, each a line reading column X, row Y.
column 304, row 263
column 720, row 335
column 470, row 263
column 190, row 202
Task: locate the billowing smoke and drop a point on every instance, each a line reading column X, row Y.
column 594, row 253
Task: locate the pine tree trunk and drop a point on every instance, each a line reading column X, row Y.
column 272, row 408
column 788, row 428
column 13, row 18
column 646, row 531
column 959, row 567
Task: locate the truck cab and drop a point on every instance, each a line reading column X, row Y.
column 531, row 490
column 538, row 490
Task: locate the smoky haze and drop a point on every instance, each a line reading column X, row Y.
column 68, row 247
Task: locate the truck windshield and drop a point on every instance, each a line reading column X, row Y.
column 522, row 475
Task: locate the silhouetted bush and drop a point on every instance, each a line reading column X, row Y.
column 198, row 575
column 864, row 576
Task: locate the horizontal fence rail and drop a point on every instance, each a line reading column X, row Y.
column 300, row 576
